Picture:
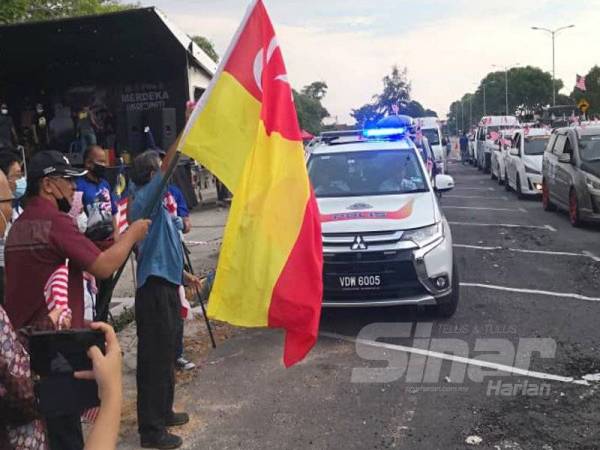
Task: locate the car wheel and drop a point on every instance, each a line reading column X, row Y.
column 502, row 180
column 519, row 188
column 448, row 304
column 546, row 202
column 574, row 209
column 492, row 176
column 506, row 183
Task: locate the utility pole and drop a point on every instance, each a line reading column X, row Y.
column 470, row 111
column 484, row 109
column 506, row 69
column 553, row 34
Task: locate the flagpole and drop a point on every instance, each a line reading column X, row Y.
column 186, row 252
column 221, row 67
column 145, row 215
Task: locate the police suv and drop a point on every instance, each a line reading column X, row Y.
column 386, row 241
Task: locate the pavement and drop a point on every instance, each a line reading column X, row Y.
column 512, row 369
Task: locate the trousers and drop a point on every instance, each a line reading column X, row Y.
column 157, row 318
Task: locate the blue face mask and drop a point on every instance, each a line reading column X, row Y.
column 21, row 187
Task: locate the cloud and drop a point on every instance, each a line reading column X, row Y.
column 447, row 49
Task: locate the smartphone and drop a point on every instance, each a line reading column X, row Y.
column 56, row 352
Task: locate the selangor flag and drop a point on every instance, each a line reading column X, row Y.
column 245, row 131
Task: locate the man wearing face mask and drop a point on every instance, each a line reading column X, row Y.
column 100, row 207
column 8, row 134
column 98, row 199
column 10, row 165
column 40, row 241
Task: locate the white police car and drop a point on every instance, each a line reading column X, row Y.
column 386, row 241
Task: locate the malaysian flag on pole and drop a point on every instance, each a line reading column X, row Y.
column 580, row 82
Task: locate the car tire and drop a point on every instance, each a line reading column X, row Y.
column 501, row 180
column 492, row 176
column 448, row 304
column 547, row 204
column 574, row 214
column 507, row 187
column 520, row 195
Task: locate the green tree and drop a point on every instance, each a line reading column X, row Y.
column 316, row 90
column 207, row 46
column 529, row 90
column 592, row 92
column 12, row 11
column 396, row 91
column 309, row 108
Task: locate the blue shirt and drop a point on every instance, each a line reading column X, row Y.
column 100, row 193
column 182, row 207
column 160, row 254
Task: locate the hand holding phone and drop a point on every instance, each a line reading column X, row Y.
column 106, row 368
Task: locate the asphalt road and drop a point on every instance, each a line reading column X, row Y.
column 528, row 281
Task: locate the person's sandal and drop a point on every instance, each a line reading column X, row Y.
column 184, row 364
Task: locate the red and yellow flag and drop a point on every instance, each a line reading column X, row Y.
column 245, row 131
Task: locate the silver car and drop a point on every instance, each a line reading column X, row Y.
column 571, row 173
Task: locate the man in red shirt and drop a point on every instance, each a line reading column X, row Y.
column 45, row 237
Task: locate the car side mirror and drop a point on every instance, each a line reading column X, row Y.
column 444, row 183
column 514, row 151
column 565, row 158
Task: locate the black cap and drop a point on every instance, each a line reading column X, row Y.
column 51, row 163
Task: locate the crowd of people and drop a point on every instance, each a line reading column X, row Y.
column 65, row 129
column 61, row 244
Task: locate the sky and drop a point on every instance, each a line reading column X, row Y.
column 447, row 46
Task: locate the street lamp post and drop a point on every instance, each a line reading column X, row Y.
column 470, row 111
column 553, row 34
column 484, row 109
column 506, row 69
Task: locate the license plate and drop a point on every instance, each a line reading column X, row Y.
column 360, row 281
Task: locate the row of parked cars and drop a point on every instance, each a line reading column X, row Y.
column 562, row 166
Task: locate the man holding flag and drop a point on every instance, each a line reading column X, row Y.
column 245, row 131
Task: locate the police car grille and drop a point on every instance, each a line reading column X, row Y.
column 371, row 238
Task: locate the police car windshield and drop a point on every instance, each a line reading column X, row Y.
column 432, row 136
column 374, row 172
column 497, row 128
column 590, row 148
column 535, row 146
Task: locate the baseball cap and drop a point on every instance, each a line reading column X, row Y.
column 51, row 163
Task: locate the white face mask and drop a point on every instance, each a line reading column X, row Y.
column 6, row 224
column 4, row 111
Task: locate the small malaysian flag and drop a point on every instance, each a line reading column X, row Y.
column 122, row 224
column 580, row 82
column 90, row 415
column 56, row 290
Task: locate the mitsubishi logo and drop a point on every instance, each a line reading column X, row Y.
column 359, row 243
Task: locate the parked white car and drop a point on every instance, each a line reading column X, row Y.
column 489, row 128
column 430, row 127
column 524, row 161
column 499, row 152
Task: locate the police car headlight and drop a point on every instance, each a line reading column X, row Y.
column 593, row 184
column 426, row 235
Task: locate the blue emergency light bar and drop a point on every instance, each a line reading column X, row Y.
column 384, row 132
column 389, row 127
